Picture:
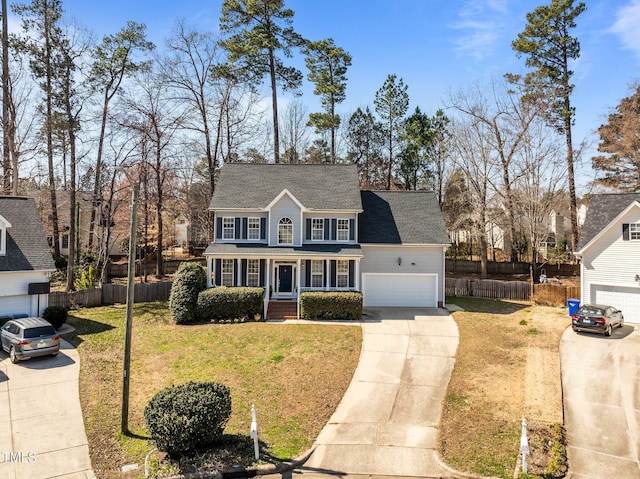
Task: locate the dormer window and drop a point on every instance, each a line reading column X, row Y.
column 285, row 231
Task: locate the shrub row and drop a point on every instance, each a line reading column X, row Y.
column 223, row 303
column 331, row 305
column 188, row 417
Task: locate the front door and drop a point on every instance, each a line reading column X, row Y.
column 285, row 278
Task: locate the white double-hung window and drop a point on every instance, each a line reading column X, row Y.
column 342, row 273
column 343, row 230
column 253, row 229
column 317, row 273
column 317, row 229
column 227, row 272
column 253, row 272
column 634, row 231
column 228, row 228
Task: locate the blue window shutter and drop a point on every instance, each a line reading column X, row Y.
column 307, row 273
column 243, row 278
column 218, row 278
column 236, row 233
column 352, row 229
column 307, row 234
column 245, row 227
column 235, row 272
column 262, row 272
column 219, row 227
column 625, row 231
column 263, row 228
column 333, row 272
column 334, row 229
column 352, row 273
column 326, row 229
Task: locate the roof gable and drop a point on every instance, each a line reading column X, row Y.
column 282, row 194
column 26, row 243
column 604, row 210
column 4, row 223
column 317, row 187
column 401, row 217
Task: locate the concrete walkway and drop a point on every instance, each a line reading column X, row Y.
column 387, row 422
column 41, row 428
column 601, row 386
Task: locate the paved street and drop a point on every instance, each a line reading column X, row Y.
column 601, row 386
column 41, row 428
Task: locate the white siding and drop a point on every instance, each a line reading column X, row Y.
column 13, row 293
column 415, row 259
column 285, row 208
column 611, row 260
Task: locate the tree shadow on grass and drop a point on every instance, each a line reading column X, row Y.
column 491, row 306
column 83, row 327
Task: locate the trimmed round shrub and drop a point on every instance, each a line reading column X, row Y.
column 56, row 315
column 188, row 417
column 189, row 281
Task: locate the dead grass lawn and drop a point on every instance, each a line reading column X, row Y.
column 507, row 367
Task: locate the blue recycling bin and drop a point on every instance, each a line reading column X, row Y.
column 573, row 304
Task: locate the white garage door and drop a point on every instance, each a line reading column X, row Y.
column 625, row 299
column 399, row 289
column 20, row 304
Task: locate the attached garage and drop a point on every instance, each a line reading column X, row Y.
column 15, row 305
column 400, row 289
column 625, row 299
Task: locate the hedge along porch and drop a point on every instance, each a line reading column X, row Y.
column 285, row 273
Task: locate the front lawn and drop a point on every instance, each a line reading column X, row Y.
column 507, row 367
column 295, row 375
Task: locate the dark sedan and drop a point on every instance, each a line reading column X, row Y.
column 597, row 318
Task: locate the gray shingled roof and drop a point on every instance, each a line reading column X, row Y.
column 603, row 209
column 317, row 187
column 401, row 217
column 27, row 248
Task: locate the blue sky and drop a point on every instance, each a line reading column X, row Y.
column 434, row 45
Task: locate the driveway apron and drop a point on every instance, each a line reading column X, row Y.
column 41, row 428
column 601, row 387
column 387, row 422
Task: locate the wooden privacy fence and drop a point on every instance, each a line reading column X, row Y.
column 111, row 294
column 551, row 294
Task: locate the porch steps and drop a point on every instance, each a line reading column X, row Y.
column 282, row 310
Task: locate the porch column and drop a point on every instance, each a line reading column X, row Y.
column 267, row 286
column 327, row 270
column 298, row 263
column 357, row 283
column 238, row 269
column 209, row 270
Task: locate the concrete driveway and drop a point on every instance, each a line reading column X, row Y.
column 41, row 428
column 387, row 422
column 601, row 386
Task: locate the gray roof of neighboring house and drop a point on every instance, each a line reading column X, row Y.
column 27, row 247
column 317, row 187
column 263, row 249
column 401, row 217
column 603, row 208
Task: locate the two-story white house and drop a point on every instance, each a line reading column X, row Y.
column 25, row 258
column 294, row 228
column 609, row 250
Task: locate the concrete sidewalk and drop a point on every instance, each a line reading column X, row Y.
column 41, row 427
column 387, row 422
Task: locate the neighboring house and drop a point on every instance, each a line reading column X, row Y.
column 181, row 234
column 25, row 258
column 610, row 252
column 293, row 228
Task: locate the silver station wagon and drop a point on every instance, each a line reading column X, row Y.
column 26, row 338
